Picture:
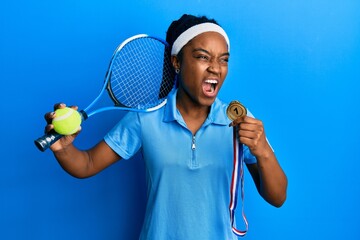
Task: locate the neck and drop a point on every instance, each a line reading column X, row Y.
column 194, row 114
column 188, row 106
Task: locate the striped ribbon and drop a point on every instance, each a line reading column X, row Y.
column 237, row 178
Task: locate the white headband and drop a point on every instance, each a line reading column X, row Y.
column 192, row 32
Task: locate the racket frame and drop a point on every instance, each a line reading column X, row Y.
column 48, row 139
column 107, row 86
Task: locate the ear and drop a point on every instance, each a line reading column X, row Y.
column 175, row 62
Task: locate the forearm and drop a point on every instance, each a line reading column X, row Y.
column 272, row 179
column 83, row 164
column 75, row 162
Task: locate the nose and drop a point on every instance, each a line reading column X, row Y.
column 214, row 67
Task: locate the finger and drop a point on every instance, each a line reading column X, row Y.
column 246, row 141
column 49, row 117
column 251, row 127
column 48, row 128
column 248, row 134
column 248, row 128
column 74, row 107
column 251, row 143
column 248, row 119
column 236, row 121
column 59, row 105
column 245, row 119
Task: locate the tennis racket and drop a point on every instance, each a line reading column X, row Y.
column 139, row 78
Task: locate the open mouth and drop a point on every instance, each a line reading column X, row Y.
column 209, row 87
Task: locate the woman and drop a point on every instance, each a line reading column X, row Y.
column 187, row 144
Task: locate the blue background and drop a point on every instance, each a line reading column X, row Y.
column 295, row 64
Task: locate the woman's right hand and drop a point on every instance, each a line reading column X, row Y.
column 65, row 141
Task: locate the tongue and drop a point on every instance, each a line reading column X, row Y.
column 208, row 89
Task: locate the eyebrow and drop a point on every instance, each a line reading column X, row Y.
column 207, row 52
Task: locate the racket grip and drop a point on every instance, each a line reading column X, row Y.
column 44, row 142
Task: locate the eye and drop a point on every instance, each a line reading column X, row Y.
column 202, row 57
column 224, row 60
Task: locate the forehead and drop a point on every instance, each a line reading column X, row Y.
column 209, row 40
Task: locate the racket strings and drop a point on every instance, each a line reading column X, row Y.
column 141, row 74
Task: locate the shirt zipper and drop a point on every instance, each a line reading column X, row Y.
column 194, row 163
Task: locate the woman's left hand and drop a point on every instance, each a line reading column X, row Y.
column 252, row 134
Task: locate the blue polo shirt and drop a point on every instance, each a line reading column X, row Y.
column 188, row 176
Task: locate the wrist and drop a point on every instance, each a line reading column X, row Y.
column 265, row 154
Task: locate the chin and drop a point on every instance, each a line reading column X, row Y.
column 208, row 101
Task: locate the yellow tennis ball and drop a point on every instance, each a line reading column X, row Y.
column 67, row 121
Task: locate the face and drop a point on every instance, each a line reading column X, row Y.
column 203, row 68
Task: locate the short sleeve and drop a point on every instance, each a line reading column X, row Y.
column 125, row 137
column 248, row 157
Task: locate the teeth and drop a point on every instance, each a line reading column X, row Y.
column 211, row 81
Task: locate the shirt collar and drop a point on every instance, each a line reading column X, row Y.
column 217, row 113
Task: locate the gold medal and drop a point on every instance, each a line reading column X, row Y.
column 235, row 110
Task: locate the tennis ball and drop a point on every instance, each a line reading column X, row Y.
column 67, row 121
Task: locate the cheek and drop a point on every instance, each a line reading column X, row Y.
column 224, row 73
column 193, row 72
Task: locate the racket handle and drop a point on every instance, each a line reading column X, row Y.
column 44, row 142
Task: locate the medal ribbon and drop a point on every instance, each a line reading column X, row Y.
column 237, row 178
